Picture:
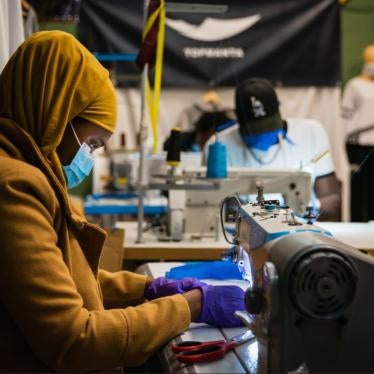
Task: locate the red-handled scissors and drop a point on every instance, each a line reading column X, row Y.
column 194, row 351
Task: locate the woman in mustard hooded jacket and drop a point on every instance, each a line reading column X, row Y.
column 58, row 311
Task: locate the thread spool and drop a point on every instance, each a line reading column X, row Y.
column 217, row 161
column 173, row 157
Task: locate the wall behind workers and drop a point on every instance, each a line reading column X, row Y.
column 357, row 22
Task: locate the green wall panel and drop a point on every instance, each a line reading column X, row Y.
column 357, row 32
column 70, row 27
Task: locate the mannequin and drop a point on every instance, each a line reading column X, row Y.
column 368, row 68
column 212, row 97
column 358, row 101
column 358, row 123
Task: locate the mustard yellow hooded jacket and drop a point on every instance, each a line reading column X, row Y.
column 58, row 311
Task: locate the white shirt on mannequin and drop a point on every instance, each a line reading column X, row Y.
column 357, row 109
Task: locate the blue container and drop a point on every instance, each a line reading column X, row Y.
column 217, row 161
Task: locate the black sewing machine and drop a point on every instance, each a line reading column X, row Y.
column 310, row 302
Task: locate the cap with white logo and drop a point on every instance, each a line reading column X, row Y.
column 257, row 107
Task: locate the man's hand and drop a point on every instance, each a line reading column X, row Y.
column 328, row 191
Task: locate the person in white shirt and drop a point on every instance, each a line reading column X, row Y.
column 358, row 101
column 263, row 139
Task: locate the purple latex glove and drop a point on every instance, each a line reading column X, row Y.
column 219, row 304
column 161, row 287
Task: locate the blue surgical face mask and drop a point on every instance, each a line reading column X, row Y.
column 81, row 165
column 262, row 141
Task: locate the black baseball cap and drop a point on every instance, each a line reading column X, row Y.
column 257, row 107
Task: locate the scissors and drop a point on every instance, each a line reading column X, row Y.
column 192, row 351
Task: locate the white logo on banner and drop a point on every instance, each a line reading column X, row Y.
column 201, row 52
column 213, row 29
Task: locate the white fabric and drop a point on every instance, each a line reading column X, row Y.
column 357, row 109
column 309, row 140
column 11, row 29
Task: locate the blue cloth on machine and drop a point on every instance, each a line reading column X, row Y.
column 206, row 270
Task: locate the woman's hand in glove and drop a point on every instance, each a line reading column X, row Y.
column 219, row 304
column 161, row 287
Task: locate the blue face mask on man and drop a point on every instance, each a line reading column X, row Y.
column 81, row 165
column 263, row 141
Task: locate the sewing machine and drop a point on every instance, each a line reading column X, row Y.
column 309, row 303
column 193, row 199
column 118, row 170
column 194, row 209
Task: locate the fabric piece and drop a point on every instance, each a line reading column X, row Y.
column 147, row 52
column 219, row 304
column 206, row 270
column 161, row 287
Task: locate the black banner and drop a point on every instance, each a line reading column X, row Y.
column 290, row 42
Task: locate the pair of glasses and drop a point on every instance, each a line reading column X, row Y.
column 93, row 144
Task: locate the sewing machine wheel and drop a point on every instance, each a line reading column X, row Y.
column 323, row 284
